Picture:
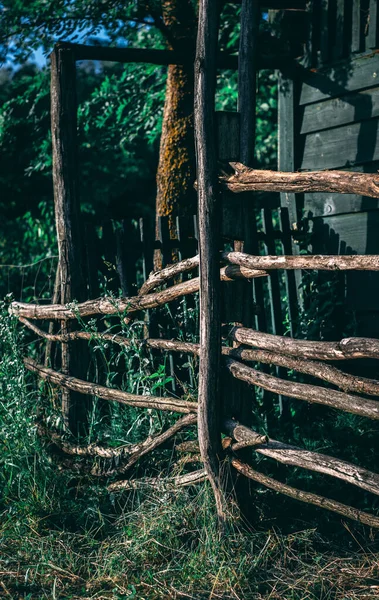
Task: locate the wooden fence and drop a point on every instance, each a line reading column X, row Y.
column 250, row 242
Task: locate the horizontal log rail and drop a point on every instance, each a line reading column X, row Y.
column 304, row 391
column 273, row 60
column 100, row 391
column 325, row 372
column 167, row 483
column 159, row 277
column 345, row 349
column 338, row 182
column 132, row 452
column 243, row 437
column 299, row 457
column 320, row 370
column 115, row 306
column 356, row 262
column 307, row 497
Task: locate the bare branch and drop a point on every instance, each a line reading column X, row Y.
column 93, row 389
column 367, row 262
column 345, row 381
column 133, row 452
column 303, row 391
column 337, row 182
column 157, row 278
column 114, row 306
column 168, row 484
column 299, row 457
column 345, row 349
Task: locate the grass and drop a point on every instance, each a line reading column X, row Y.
column 169, row 547
column 62, row 536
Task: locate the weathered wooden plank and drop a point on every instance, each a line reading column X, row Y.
column 339, row 45
column 109, row 252
column 274, row 286
column 311, row 45
column 92, row 259
column 353, row 233
column 338, row 80
column 127, row 252
column 341, row 111
column 247, row 78
column 327, row 205
column 356, row 26
column 344, row 146
column 324, row 32
column 209, row 425
column 66, row 201
column 372, row 40
column 273, row 59
column 228, row 135
column 288, row 211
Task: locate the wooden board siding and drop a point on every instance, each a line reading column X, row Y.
column 358, row 106
column 336, row 125
column 344, row 146
column 339, row 79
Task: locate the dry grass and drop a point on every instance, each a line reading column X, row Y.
column 169, row 547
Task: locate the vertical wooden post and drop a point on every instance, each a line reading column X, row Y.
column 247, row 78
column 208, row 223
column 373, row 26
column 286, row 162
column 65, row 179
column 247, row 101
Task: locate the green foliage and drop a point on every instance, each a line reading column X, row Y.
column 28, row 25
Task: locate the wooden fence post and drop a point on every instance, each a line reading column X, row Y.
column 209, row 417
column 65, row 179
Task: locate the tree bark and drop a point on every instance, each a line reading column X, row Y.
column 177, row 168
column 304, row 391
column 283, row 488
column 338, row 182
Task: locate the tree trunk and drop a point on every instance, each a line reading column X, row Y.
column 176, row 168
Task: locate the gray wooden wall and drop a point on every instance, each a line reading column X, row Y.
column 329, row 119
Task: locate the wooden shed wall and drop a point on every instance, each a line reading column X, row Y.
column 329, row 119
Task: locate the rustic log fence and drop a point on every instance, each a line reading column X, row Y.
column 231, row 250
column 300, row 355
